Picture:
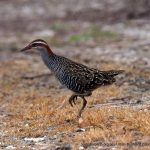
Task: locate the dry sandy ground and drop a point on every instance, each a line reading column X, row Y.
column 117, row 117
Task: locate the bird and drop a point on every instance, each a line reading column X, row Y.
column 80, row 79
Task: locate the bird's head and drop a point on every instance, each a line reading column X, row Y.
column 39, row 45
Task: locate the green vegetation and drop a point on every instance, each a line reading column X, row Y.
column 92, row 33
column 58, row 26
column 61, row 26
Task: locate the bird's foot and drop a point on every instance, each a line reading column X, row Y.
column 72, row 100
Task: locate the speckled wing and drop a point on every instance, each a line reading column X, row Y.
column 82, row 79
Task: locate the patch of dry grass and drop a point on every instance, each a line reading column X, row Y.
column 32, row 115
column 38, row 116
column 118, row 125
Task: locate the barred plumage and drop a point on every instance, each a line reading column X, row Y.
column 79, row 78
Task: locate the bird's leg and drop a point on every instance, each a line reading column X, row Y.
column 83, row 106
column 84, row 102
column 74, row 97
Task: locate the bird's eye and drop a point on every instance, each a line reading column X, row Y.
column 34, row 45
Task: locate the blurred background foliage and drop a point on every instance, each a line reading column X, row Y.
column 65, row 21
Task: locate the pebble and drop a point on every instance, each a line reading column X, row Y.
column 39, row 139
column 80, row 130
column 10, row 147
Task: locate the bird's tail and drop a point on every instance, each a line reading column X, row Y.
column 109, row 76
column 112, row 73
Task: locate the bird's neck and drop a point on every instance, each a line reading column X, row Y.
column 49, row 59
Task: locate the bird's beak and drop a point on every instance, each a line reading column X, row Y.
column 26, row 48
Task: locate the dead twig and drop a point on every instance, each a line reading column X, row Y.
column 35, row 77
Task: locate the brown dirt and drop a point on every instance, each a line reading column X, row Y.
column 31, row 116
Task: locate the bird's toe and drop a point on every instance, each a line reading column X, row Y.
column 70, row 102
column 74, row 101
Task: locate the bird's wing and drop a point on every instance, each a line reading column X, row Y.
column 87, row 78
column 81, row 72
